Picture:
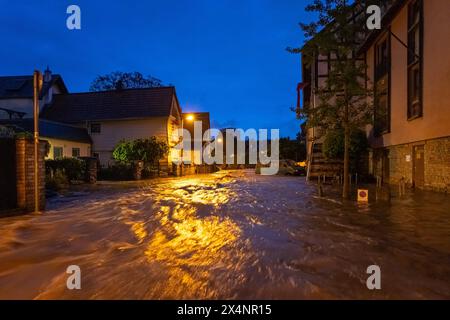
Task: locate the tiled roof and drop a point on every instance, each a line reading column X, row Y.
column 111, row 105
column 22, row 86
column 49, row 129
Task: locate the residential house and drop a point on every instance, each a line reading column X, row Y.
column 121, row 114
column 65, row 140
column 16, row 112
column 16, row 94
column 409, row 67
column 315, row 71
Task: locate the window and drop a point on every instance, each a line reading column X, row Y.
column 415, row 51
column 382, row 86
column 75, row 152
column 96, row 128
column 57, row 152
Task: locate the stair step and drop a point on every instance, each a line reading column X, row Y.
column 326, row 161
column 320, row 174
column 327, row 172
column 315, row 169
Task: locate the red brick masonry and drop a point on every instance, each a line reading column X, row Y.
column 25, row 174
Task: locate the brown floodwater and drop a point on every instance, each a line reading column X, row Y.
column 228, row 235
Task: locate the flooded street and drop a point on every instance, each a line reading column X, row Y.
column 228, row 235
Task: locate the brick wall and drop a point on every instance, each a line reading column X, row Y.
column 25, row 174
column 398, row 165
column 436, row 163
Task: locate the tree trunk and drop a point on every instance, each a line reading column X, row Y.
column 346, row 187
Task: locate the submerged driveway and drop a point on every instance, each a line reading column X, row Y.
column 227, row 235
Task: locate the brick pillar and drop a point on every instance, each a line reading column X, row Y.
column 25, row 174
column 91, row 169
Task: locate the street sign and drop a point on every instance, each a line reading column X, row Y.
column 363, row 195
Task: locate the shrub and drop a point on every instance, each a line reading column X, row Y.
column 56, row 181
column 150, row 151
column 333, row 145
column 117, row 172
column 73, row 168
column 6, row 132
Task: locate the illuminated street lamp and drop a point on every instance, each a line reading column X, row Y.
column 190, row 118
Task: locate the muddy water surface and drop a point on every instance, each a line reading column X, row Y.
column 227, row 235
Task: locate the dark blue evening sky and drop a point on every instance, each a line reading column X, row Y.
column 224, row 56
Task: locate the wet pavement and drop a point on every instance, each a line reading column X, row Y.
column 228, row 235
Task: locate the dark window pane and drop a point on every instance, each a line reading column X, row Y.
column 75, row 152
column 382, row 115
column 95, row 128
column 57, row 152
column 415, row 87
column 415, row 39
column 413, row 44
column 382, row 59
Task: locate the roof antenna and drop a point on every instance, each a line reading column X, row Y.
column 119, row 85
column 47, row 75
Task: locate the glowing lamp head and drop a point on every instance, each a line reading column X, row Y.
column 189, row 117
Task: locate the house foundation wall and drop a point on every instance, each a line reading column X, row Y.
column 25, row 174
column 396, row 162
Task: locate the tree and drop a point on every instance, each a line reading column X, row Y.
column 333, row 146
column 292, row 149
column 123, row 80
column 302, row 134
column 150, row 151
column 343, row 101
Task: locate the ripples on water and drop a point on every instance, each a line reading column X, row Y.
column 227, row 235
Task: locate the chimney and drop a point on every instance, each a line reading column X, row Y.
column 47, row 75
column 119, row 85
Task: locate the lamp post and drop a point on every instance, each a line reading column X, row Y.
column 189, row 117
column 37, row 86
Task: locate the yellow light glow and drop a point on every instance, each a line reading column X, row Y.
column 219, row 140
column 301, row 164
column 187, row 240
column 189, row 117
